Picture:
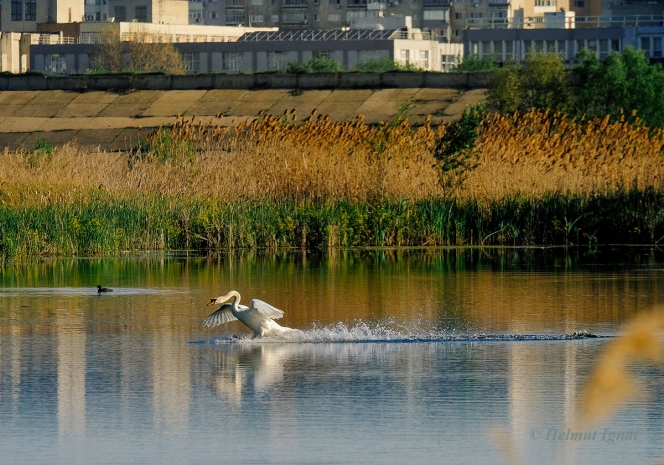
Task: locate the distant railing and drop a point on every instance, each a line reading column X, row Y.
column 51, row 39
column 543, row 22
column 94, row 38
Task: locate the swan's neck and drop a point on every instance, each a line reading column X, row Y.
column 235, row 295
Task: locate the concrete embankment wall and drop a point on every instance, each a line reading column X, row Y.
column 115, row 112
column 246, row 81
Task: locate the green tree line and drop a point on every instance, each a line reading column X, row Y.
column 624, row 85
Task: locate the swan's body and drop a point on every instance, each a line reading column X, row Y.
column 258, row 317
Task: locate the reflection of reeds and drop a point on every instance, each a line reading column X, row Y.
column 612, row 383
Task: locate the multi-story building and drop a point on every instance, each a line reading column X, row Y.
column 96, row 10
column 209, row 12
column 265, row 50
column 149, row 11
column 24, row 15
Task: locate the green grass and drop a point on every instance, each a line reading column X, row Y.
column 105, row 226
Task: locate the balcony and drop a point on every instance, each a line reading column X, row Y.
column 374, row 5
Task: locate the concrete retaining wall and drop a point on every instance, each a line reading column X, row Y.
column 246, row 81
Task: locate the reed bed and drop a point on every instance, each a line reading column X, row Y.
column 281, row 182
column 540, row 153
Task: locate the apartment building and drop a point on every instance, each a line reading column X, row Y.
column 24, row 15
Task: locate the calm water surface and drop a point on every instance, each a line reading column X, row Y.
column 408, row 356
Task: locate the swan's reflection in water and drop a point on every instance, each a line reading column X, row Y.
column 373, row 371
column 242, row 367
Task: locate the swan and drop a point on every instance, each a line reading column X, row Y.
column 258, row 317
column 103, row 289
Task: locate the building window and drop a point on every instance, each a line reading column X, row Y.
column 141, row 14
column 231, row 61
column 579, row 3
column 447, row 62
column 192, row 62
column 235, row 17
column 257, row 2
column 196, row 16
column 356, row 14
column 275, row 60
column 334, row 17
column 404, row 57
column 294, row 17
column 98, row 16
column 367, row 55
column 120, row 13
column 17, row 10
column 213, row 15
column 31, row 10
column 424, row 59
column 256, row 19
column 274, row 19
column 54, row 63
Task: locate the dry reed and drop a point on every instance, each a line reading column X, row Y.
column 270, row 157
column 538, row 153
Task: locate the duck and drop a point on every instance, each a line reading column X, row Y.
column 103, row 289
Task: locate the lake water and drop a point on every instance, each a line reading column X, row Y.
column 407, row 356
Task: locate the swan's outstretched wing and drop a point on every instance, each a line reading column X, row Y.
column 266, row 309
column 221, row 316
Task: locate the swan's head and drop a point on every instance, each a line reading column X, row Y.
column 224, row 298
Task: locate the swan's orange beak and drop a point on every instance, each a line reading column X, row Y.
column 212, row 302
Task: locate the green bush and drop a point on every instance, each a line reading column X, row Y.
column 475, row 64
column 314, row 65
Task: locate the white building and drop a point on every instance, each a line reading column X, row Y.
column 264, row 50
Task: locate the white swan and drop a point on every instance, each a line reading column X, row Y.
column 258, row 317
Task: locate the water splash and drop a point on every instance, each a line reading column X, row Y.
column 389, row 332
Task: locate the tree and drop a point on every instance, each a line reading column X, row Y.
column 144, row 53
column 540, row 82
column 107, row 54
column 622, row 84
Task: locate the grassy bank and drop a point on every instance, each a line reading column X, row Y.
column 538, row 180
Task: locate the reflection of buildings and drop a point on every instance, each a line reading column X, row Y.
column 543, row 387
column 72, row 371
